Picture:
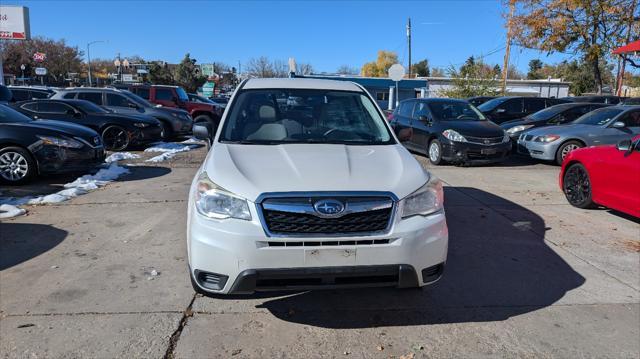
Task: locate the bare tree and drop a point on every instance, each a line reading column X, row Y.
column 304, row 69
column 347, row 70
column 260, row 67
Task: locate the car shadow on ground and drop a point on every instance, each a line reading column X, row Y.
column 498, row 266
column 19, row 242
column 44, row 185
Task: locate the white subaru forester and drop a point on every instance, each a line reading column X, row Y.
column 307, row 187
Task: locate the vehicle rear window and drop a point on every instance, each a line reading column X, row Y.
column 20, row 95
column 117, row 100
column 70, row 95
column 281, row 116
column 40, row 94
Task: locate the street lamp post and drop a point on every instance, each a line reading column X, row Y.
column 22, row 67
column 89, row 58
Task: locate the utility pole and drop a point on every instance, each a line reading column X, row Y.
column 505, row 68
column 409, row 41
column 622, row 57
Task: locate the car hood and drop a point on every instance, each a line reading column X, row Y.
column 170, row 110
column 513, row 123
column 251, row 170
column 474, row 128
column 562, row 130
column 67, row 128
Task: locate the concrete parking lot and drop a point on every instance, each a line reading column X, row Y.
column 105, row 275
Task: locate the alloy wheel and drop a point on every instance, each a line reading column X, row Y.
column 13, row 166
column 577, row 186
column 568, row 148
column 115, row 138
column 434, row 152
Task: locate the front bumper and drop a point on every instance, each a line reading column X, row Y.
column 54, row 159
column 538, row 150
column 146, row 135
column 465, row 152
column 240, row 258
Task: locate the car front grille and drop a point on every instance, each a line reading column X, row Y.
column 297, row 216
column 484, row 140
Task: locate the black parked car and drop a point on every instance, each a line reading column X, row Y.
column 450, row 130
column 502, row 109
column 175, row 122
column 608, row 99
column 29, row 148
column 479, row 100
column 118, row 131
column 632, row 101
column 23, row 93
column 554, row 115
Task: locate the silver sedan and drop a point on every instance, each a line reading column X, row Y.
column 599, row 127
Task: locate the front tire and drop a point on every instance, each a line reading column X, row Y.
column 565, row 149
column 434, row 151
column 576, row 186
column 167, row 131
column 16, row 165
column 115, row 138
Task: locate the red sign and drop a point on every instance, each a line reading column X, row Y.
column 39, row 56
column 12, row 35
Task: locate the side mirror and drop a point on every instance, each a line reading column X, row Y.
column 624, row 145
column 202, row 131
column 501, row 110
column 405, row 134
column 618, row 124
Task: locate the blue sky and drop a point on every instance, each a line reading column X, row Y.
column 326, row 34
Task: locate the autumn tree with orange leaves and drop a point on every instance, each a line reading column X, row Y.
column 588, row 28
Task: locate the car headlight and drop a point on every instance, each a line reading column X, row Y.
column 546, row 138
column 61, row 142
column 214, row 202
column 426, row 200
column 141, row 124
column 515, row 129
column 453, row 136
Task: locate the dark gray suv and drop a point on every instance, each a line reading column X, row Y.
column 175, row 122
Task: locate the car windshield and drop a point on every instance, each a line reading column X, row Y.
column 182, row 95
column 598, row 117
column 9, row 115
column 454, row 110
column 279, row 116
column 90, row 107
column 491, row 104
column 137, row 99
column 546, row 113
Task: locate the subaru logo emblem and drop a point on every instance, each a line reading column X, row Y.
column 486, row 142
column 96, row 140
column 329, row 208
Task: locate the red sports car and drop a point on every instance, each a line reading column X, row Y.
column 607, row 175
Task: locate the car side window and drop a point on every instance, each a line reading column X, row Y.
column 511, row 106
column 421, row 109
column 95, row 97
column 53, row 107
column 406, row 109
column 631, row 119
column 533, row 104
column 70, row 95
column 142, row 92
column 30, row 106
column 117, row 100
column 164, row 94
column 20, row 95
column 39, row 94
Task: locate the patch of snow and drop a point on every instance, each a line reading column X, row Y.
column 169, row 150
column 119, row 156
column 76, row 188
column 192, row 140
column 9, row 211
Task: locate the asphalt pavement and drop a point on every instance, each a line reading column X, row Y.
column 105, row 275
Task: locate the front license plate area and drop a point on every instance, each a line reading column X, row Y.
column 488, row 151
column 330, row 256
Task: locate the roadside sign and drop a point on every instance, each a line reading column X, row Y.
column 14, row 23
column 396, row 72
column 207, row 89
column 41, row 71
column 39, row 57
column 207, row 70
column 127, row 78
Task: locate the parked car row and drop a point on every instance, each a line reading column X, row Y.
column 68, row 130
